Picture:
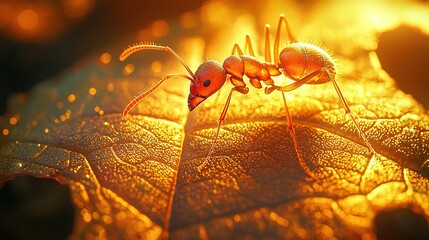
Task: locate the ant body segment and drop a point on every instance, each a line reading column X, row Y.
column 301, row 62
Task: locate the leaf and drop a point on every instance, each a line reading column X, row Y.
column 136, row 177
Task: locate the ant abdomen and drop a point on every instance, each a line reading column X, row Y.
column 300, row 59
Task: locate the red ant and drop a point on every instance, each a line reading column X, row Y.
column 301, row 62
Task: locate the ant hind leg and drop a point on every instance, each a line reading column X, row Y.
column 348, row 112
column 292, row 38
column 247, row 46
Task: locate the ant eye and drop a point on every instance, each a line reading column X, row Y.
column 206, row 83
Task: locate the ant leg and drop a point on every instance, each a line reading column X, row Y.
column 267, row 43
column 240, row 89
column 248, row 46
column 237, row 49
column 146, row 93
column 295, row 141
column 293, row 85
column 292, row 39
column 302, row 81
column 348, row 112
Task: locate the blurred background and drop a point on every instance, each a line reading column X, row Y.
column 38, row 40
column 41, row 38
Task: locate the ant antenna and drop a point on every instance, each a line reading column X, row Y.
column 292, row 38
column 139, row 47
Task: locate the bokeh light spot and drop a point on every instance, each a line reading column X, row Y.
column 28, row 19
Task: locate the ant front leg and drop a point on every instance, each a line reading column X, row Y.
column 240, row 89
column 349, row 112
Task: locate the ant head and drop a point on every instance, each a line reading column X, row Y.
column 209, row 78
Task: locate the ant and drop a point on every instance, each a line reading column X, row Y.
column 303, row 63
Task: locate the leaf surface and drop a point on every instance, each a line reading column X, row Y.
column 137, row 177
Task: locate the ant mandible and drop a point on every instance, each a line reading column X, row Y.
column 301, row 62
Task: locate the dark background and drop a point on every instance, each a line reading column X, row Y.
column 27, row 60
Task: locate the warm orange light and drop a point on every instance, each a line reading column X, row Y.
column 60, row 105
column 105, row 58
column 13, row 120
column 110, row 87
column 216, row 13
column 156, row 66
column 5, row 14
column 128, row 69
column 160, row 28
column 188, row 20
column 92, row 91
column 5, row 132
column 27, row 19
column 77, row 8
column 71, row 98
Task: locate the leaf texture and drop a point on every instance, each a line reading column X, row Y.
column 137, row 176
